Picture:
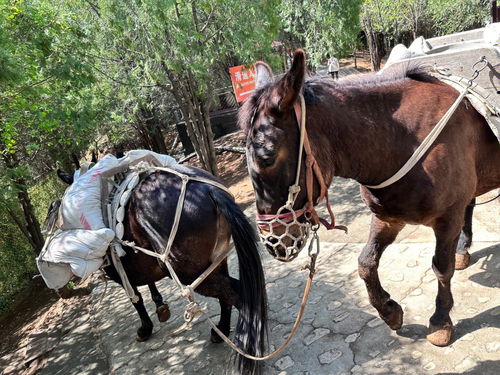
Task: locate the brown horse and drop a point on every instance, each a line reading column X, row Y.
column 366, row 128
column 209, row 219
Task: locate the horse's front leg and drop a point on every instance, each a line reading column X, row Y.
column 146, row 328
column 382, row 234
column 462, row 256
column 447, row 231
column 162, row 309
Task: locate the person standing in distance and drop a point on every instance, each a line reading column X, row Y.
column 333, row 67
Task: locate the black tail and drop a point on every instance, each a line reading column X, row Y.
column 251, row 329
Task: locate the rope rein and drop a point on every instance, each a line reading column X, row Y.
column 312, row 270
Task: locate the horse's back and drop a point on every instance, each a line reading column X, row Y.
column 467, row 148
column 463, row 162
column 150, row 217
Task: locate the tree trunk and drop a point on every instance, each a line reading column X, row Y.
column 30, row 227
column 148, row 125
column 196, row 119
column 375, row 44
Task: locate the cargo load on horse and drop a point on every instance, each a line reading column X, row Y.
column 165, row 219
column 78, row 246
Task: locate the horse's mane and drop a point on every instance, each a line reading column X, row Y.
column 315, row 86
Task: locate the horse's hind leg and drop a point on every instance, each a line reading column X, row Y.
column 382, row 234
column 462, row 256
column 447, row 230
column 225, row 288
column 162, row 309
column 146, row 328
column 224, row 322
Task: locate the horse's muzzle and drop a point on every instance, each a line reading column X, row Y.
column 283, row 236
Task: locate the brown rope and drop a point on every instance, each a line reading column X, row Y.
column 307, row 289
column 313, row 169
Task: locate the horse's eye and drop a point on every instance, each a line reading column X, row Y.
column 266, row 160
column 265, row 154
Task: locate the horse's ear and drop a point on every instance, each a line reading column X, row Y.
column 291, row 84
column 75, row 160
column 264, row 74
column 65, row 177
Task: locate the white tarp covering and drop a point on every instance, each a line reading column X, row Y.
column 80, row 247
column 77, row 252
column 81, row 204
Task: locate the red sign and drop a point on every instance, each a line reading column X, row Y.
column 243, row 79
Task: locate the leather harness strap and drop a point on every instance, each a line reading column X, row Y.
column 313, row 166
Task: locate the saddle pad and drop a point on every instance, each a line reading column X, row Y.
column 478, row 97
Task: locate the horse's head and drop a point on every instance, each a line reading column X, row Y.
column 273, row 146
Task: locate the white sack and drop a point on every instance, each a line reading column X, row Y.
column 491, row 33
column 55, row 275
column 165, row 160
column 78, row 251
column 81, row 204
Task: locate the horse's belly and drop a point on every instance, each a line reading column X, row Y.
column 416, row 208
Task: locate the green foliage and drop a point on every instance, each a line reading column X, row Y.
column 17, row 264
column 451, row 16
column 141, row 41
column 47, row 101
column 44, row 193
column 424, row 17
column 322, row 27
column 16, row 260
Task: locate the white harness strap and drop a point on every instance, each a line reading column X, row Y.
column 186, row 291
column 424, row 146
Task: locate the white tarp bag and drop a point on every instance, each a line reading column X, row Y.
column 131, row 156
column 77, row 252
column 81, row 204
column 491, row 33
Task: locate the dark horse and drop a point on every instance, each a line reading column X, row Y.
column 209, row 219
column 366, row 129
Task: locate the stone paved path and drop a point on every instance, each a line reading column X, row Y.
column 340, row 334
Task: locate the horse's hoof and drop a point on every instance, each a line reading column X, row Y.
column 64, row 292
column 143, row 334
column 462, row 261
column 393, row 316
column 440, row 336
column 215, row 338
column 163, row 313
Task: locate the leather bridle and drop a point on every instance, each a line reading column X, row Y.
column 266, row 222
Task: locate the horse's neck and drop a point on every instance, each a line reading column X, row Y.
column 361, row 139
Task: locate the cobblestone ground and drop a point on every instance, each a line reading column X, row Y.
column 340, row 333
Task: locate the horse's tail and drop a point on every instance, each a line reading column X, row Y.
column 251, row 329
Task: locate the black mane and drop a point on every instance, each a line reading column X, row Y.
column 315, row 86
